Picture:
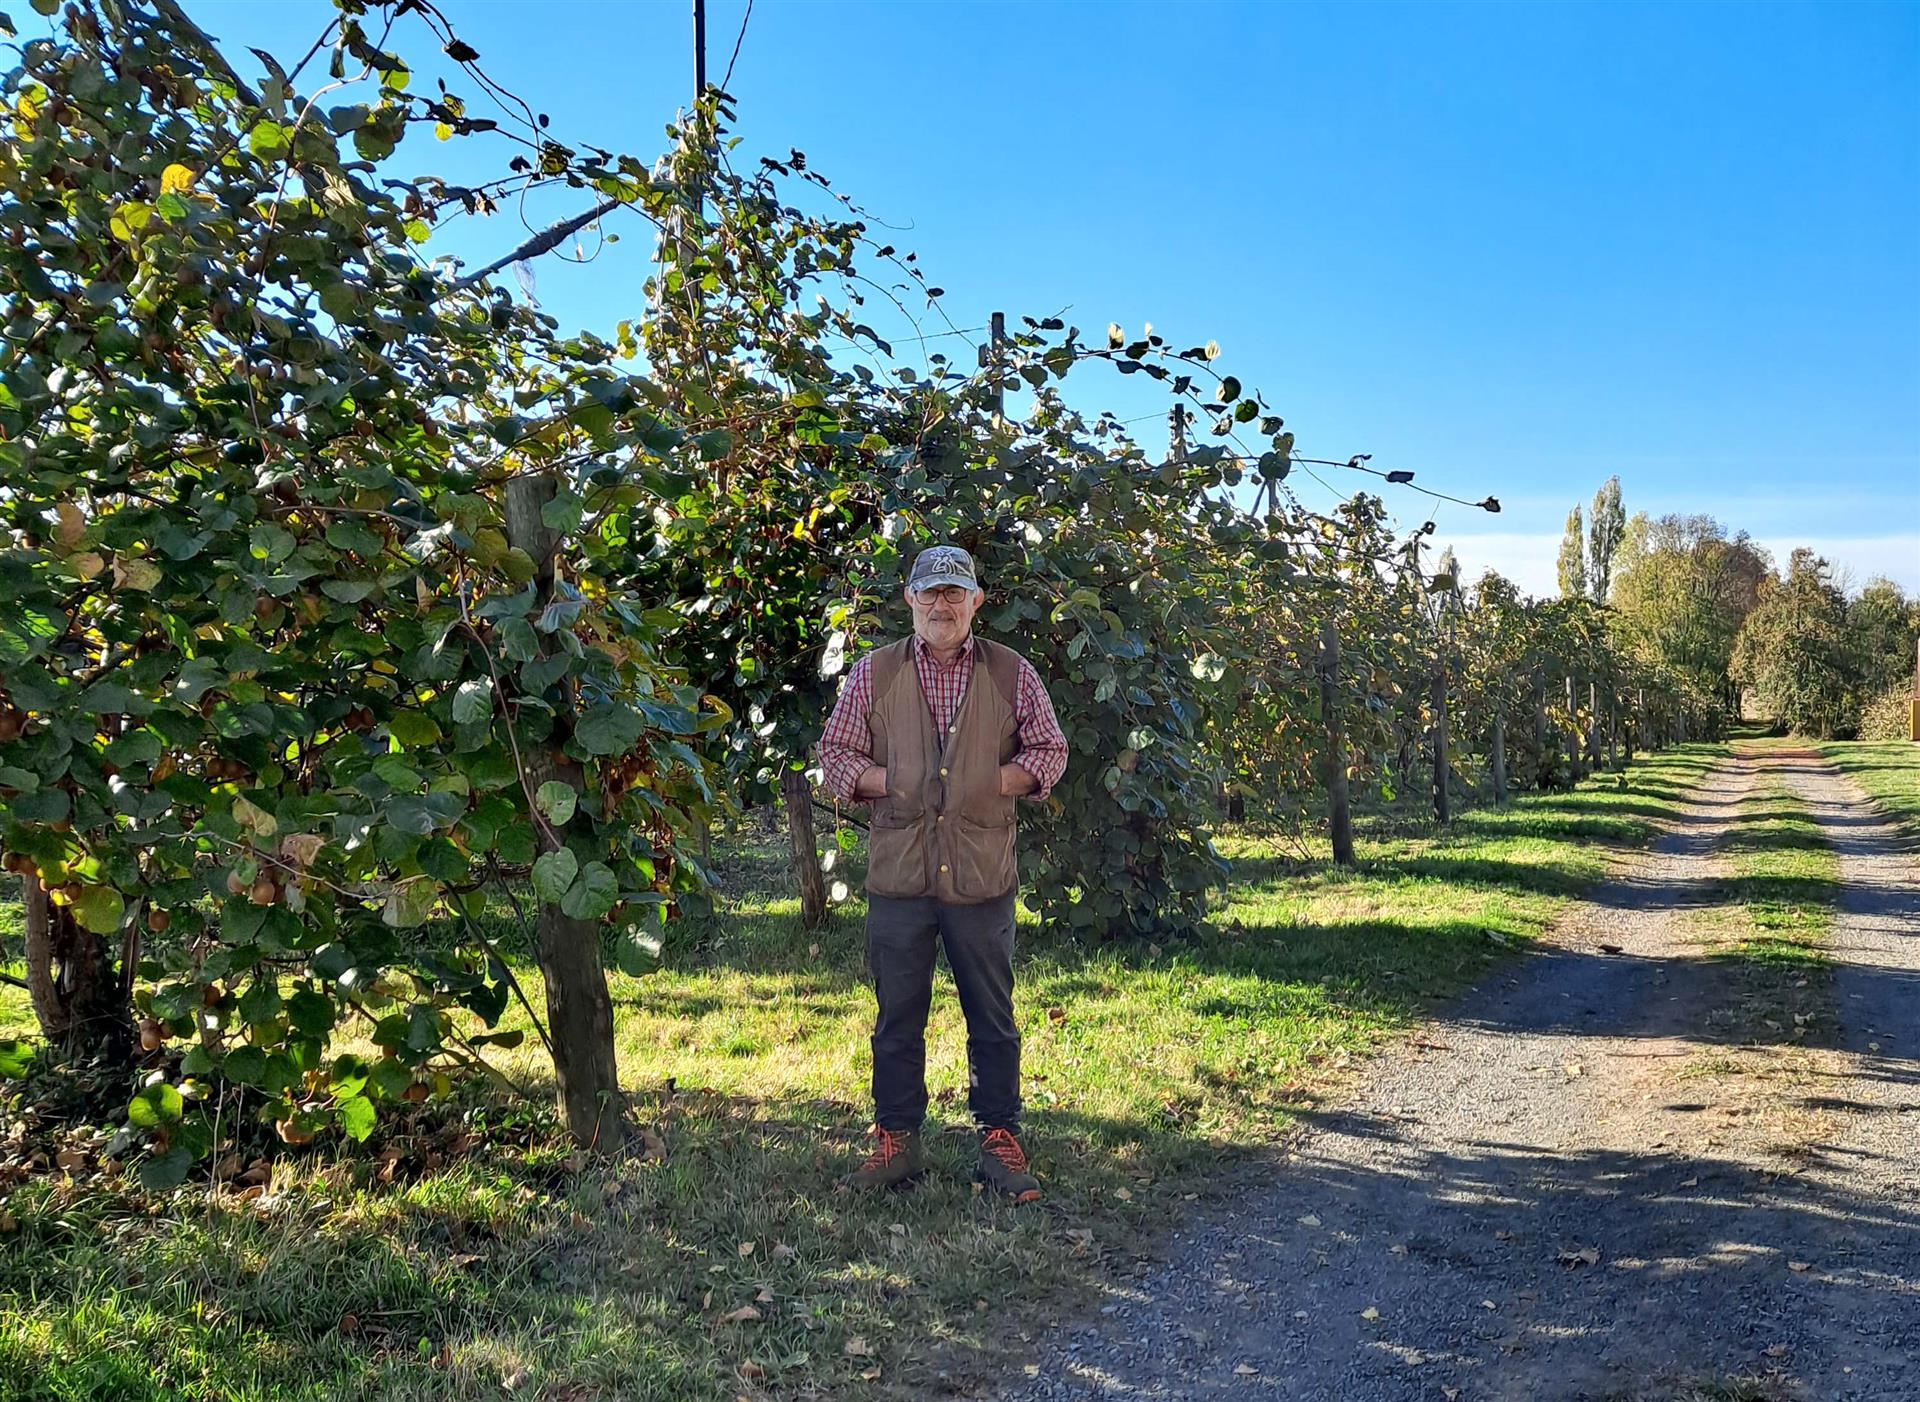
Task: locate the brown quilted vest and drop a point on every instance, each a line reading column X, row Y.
column 944, row 829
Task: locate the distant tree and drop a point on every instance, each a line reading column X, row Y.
column 1883, row 625
column 1604, row 529
column 1795, row 652
column 1573, row 558
column 1680, row 590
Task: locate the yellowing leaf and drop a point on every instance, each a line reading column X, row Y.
column 176, row 179
column 72, row 525
column 87, row 565
column 136, row 574
column 858, row 1347
column 254, row 818
column 746, row 1314
column 1369, row 1313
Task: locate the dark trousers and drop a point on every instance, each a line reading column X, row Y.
column 901, row 940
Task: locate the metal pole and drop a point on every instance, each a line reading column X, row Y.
column 699, row 49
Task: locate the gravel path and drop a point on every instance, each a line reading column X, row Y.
column 1533, row 1199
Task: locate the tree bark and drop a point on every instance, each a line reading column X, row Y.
column 798, row 797
column 1339, row 811
column 78, row 996
column 1442, row 805
column 1500, row 751
column 579, row 1008
column 1573, row 735
column 1593, row 725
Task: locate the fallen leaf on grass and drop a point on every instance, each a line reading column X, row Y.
column 1799, row 1265
column 783, row 1252
column 1580, row 1256
column 1056, row 1016
column 1691, row 1183
column 1369, row 1313
column 746, row 1314
column 1399, row 1248
column 1123, row 1194
column 751, row 1370
column 764, row 1297
column 746, row 1248
column 1308, row 1221
column 1574, row 1068
column 1503, row 1236
column 870, row 1375
column 1776, row 1350
column 858, row 1347
column 1246, row 1370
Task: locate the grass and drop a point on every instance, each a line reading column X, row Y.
column 1768, row 933
column 492, row 1265
column 1889, row 772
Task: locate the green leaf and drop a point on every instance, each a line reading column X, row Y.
column 637, row 952
column 356, row 1117
column 41, row 806
column 310, row 1012
column 553, row 874
column 268, row 139
column 245, row 1065
column 163, row 1171
column 413, row 729
column 16, row 1055
column 473, row 701
column 563, row 512
column 608, row 729
column 593, row 894
column 99, row 909
column 556, row 801
column 156, row 1105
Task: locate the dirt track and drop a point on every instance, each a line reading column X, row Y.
column 1542, row 1196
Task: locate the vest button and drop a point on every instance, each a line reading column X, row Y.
column 943, row 866
column 943, row 773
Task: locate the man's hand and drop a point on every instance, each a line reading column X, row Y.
column 1015, row 781
column 872, row 783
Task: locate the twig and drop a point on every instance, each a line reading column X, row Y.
column 548, row 238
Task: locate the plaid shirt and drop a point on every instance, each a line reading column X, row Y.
column 844, row 745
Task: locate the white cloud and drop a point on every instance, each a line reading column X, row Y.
column 1528, row 560
column 1860, row 558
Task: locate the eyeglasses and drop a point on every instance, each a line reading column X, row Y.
column 946, row 593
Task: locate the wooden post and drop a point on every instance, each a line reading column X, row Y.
column 1593, row 725
column 797, row 795
column 1542, row 754
column 990, row 355
column 1573, row 734
column 1442, row 807
column 1340, row 813
column 579, row 1009
column 1500, row 749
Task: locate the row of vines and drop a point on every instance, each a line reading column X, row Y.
column 346, row 594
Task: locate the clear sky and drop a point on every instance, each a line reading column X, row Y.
column 1515, row 248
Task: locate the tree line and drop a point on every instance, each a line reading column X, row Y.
column 1806, row 652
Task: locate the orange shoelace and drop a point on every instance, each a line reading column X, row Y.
column 885, row 1152
column 1004, row 1147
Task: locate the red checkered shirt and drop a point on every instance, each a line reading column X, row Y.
column 845, row 744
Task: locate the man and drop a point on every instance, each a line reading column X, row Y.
column 942, row 732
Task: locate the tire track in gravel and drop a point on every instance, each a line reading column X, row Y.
column 1437, row 1238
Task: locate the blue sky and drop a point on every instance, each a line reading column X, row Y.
column 1516, row 248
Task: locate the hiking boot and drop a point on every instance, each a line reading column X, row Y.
column 1003, row 1167
column 898, row 1158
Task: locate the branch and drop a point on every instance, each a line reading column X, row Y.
column 548, row 238
column 177, row 17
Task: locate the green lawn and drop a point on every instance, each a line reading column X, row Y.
column 1888, row 770
column 730, row 1266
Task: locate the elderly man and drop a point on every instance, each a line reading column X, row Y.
column 942, row 732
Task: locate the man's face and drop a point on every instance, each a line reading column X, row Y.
column 943, row 615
